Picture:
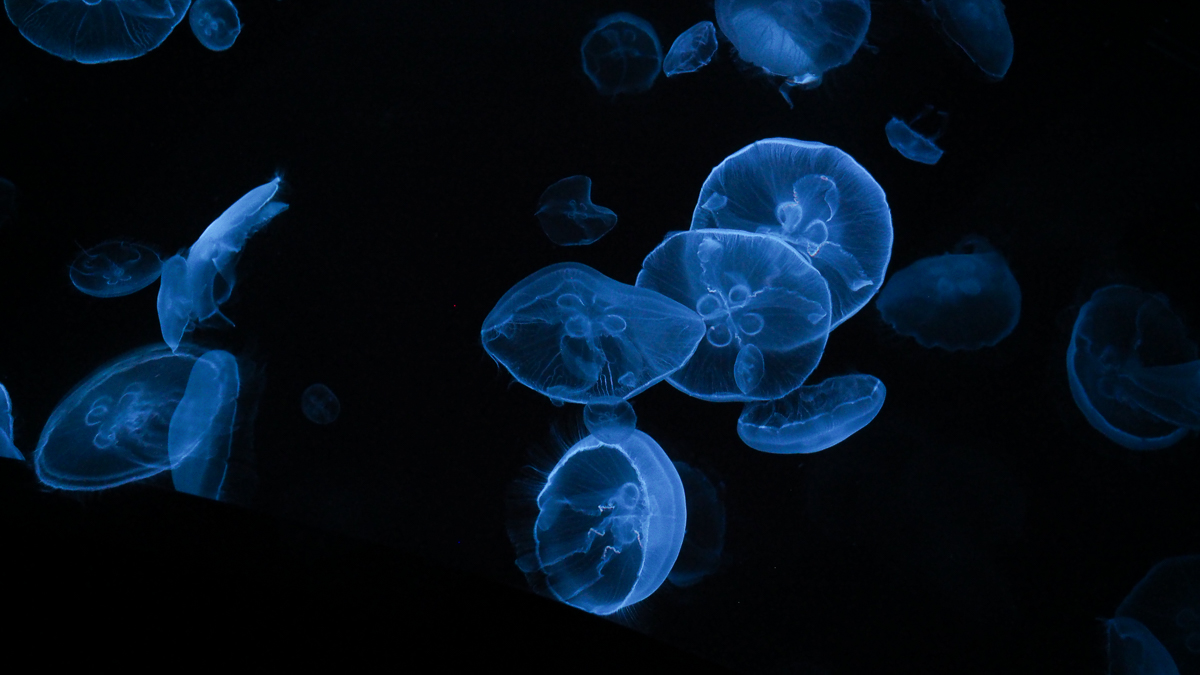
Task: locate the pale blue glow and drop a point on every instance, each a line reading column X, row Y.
column 1133, row 650
column 980, row 28
column 115, row 268
column 1167, row 602
column 621, row 55
column 8, row 200
column 200, row 430
column 765, row 310
column 814, row 417
column 96, row 31
column 573, row 334
column 215, row 23
column 815, row 197
column 913, row 145
column 963, row 300
column 7, row 449
column 692, row 50
column 320, row 405
column 568, row 216
column 704, row 540
column 609, row 418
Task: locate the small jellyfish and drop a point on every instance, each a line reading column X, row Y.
column 813, row 417
column 115, row 268
column 215, row 23
column 1166, row 602
column 8, row 200
column 319, row 404
column 96, row 31
column 963, row 300
column 704, row 540
column 621, row 55
column 1133, row 650
column 980, row 28
column 912, row 144
column 609, row 418
column 201, row 427
column 568, row 216
column 692, row 50
column 7, row 449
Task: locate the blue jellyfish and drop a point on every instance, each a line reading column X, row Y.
column 201, row 427
column 215, row 23
column 1132, row 370
column 765, row 310
column 8, row 200
column 610, row 525
column 194, row 285
column 980, row 28
column 96, row 31
column 704, row 540
column 815, row 197
column 568, row 215
column 1167, row 603
column 7, row 449
column 609, row 418
column 1133, row 650
column 621, row 55
column 692, row 50
column 573, row 334
column 912, row 144
column 319, row 404
column 963, row 300
column 115, row 268
column 813, row 417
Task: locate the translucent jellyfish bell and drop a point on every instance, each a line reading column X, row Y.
column 320, row 405
column 1167, row 603
column 692, row 50
column 609, row 419
column 917, row 146
column 813, row 417
column 115, row 268
column 96, row 31
column 621, row 55
column 1133, row 649
column 215, row 23
column 7, row 449
column 980, row 28
column 815, row 197
column 568, row 216
column 201, row 427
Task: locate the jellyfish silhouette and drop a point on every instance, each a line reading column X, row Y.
column 815, row 197
column 320, row 405
column 692, row 50
column 963, row 300
column 1167, row 603
column 8, row 200
column 621, row 55
column 7, row 449
column 573, row 334
column 610, row 525
column 704, row 540
column 813, row 417
column 215, row 23
column 912, row 144
column 115, row 268
column 201, row 427
column 96, row 31
column 1133, row 650
column 765, row 309
column 1133, row 372
column 609, row 418
column 980, row 28
column 568, row 216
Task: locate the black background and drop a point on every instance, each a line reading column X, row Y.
column 979, row 524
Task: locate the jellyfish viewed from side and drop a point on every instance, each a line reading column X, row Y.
column 320, row 405
column 7, row 449
column 568, row 216
column 913, row 144
column 1166, row 602
column 215, row 23
column 704, row 540
column 692, row 50
column 816, row 198
column 622, row 55
column 115, row 268
column 609, row 418
column 980, row 28
column 8, row 200
column 96, row 31
column 813, row 417
column 1133, row 649
column 201, row 427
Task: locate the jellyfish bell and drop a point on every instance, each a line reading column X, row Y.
column 622, row 55
column 568, row 216
column 201, row 427
column 215, row 23
column 7, row 449
column 115, row 268
column 911, row 142
column 320, row 405
column 1132, row 648
column 609, row 418
column 980, row 29
column 96, row 31
column 813, row 417
column 692, row 50
column 1166, row 604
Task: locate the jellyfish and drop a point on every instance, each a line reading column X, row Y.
column 1167, row 603
column 980, row 28
column 1133, row 372
column 962, row 300
column 568, row 215
column 215, row 23
column 8, row 200
column 816, row 198
column 201, row 427
column 573, row 334
column 193, row 285
column 765, row 310
column 320, row 405
column 704, row 540
column 96, row 31
column 692, row 50
column 115, row 268
column 813, row 417
column 609, row 418
column 610, row 525
column 621, row 55
column 1133, row 650
column 912, row 144
column 7, row 449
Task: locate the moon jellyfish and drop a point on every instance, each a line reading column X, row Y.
column 621, row 55
column 765, row 311
column 980, row 28
column 912, row 144
column 194, row 285
column 320, row 405
column 568, row 215
column 1133, row 372
column 692, row 50
column 96, row 31
column 201, row 427
column 610, row 524
column 963, row 300
column 609, row 418
column 115, row 268
column 816, row 198
column 1167, row 603
column 812, row 418
column 573, row 334
column 215, row 23
column 1133, row 650
column 7, row 449
column 704, row 540
column 8, row 200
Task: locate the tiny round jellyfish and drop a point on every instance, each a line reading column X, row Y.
column 96, row 31
column 813, row 417
column 115, row 268
column 621, row 55
column 319, row 404
column 913, row 144
column 568, row 216
column 692, row 50
column 609, row 418
column 1166, row 602
column 215, row 23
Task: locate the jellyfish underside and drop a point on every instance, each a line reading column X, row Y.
column 215, row 23
column 622, row 55
column 96, row 31
column 813, row 417
column 115, row 268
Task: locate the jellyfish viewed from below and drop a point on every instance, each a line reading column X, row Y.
column 1166, row 602
column 692, row 50
column 96, row 31
column 1133, row 372
column 320, row 405
column 813, row 417
column 622, row 55
column 980, row 28
column 963, row 300
column 913, row 144
column 765, row 311
column 568, row 216
column 215, row 23
column 1133, row 650
column 7, row 449
column 201, row 427
column 816, row 198
column 8, row 200
column 573, row 334
column 704, row 540
column 609, row 418
column 115, row 268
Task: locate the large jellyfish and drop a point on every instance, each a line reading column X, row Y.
column 1132, row 369
column 610, row 525
column 621, row 55
column 980, row 28
column 573, row 334
column 115, row 268
column 913, row 144
column 813, row 417
column 765, row 309
column 692, row 50
column 704, row 540
column 7, row 449
column 1166, row 602
column 215, row 23
column 963, row 300
column 96, row 31
column 815, row 197
column 568, row 216
column 201, row 427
